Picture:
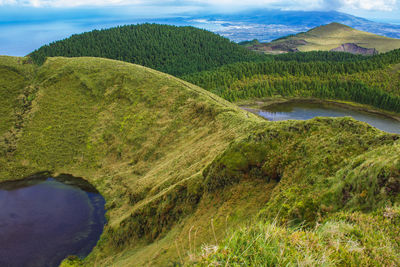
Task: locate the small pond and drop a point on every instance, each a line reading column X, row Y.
column 43, row 220
column 305, row 111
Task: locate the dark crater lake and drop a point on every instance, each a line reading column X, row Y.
column 43, row 220
column 306, row 111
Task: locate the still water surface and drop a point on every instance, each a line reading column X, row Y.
column 305, row 111
column 43, row 220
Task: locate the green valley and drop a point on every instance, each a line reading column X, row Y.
column 189, row 178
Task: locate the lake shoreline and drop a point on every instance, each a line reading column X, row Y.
column 254, row 106
column 65, row 216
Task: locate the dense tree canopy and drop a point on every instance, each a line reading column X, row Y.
column 171, row 49
column 327, row 75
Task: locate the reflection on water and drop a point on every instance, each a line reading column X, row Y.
column 306, row 111
column 43, row 220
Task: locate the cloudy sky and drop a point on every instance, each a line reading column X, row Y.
column 350, row 6
column 28, row 24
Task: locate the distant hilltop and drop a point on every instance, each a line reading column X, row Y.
column 330, row 37
column 170, row 49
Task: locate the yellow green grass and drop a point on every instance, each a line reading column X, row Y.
column 339, row 241
column 180, row 167
column 327, row 37
column 140, row 136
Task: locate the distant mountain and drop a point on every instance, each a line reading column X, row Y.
column 331, row 37
column 266, row 25
column 170, row 49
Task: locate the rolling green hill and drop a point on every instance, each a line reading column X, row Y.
column 182, row 170
column 326, row 38
column 171, row 49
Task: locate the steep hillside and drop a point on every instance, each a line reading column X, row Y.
column 336, row 191
column 141, row 137
column 179, row 166
column 171, row 49
column 329, row 37
column 16, row 75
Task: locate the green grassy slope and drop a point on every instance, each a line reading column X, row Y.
column 343, row 189
column 333, row 35
column 179, row 166
column 140, row 136
column 171, row 49
column 337, row 188
column 13, row 93
column 327, row 37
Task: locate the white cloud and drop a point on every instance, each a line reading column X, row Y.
column 8, row 2
column 233, row 2
column 381, row 5
column 69, row 3
column 384, row 5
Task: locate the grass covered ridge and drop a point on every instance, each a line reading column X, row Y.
column 335, row 202
column 330, row 36
column 141, row 137
column 335, row 34
column 179, row 166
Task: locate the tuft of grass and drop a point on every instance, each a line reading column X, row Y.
column 71, row 261
column 343, row 240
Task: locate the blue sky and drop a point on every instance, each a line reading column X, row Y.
column 28, row 24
